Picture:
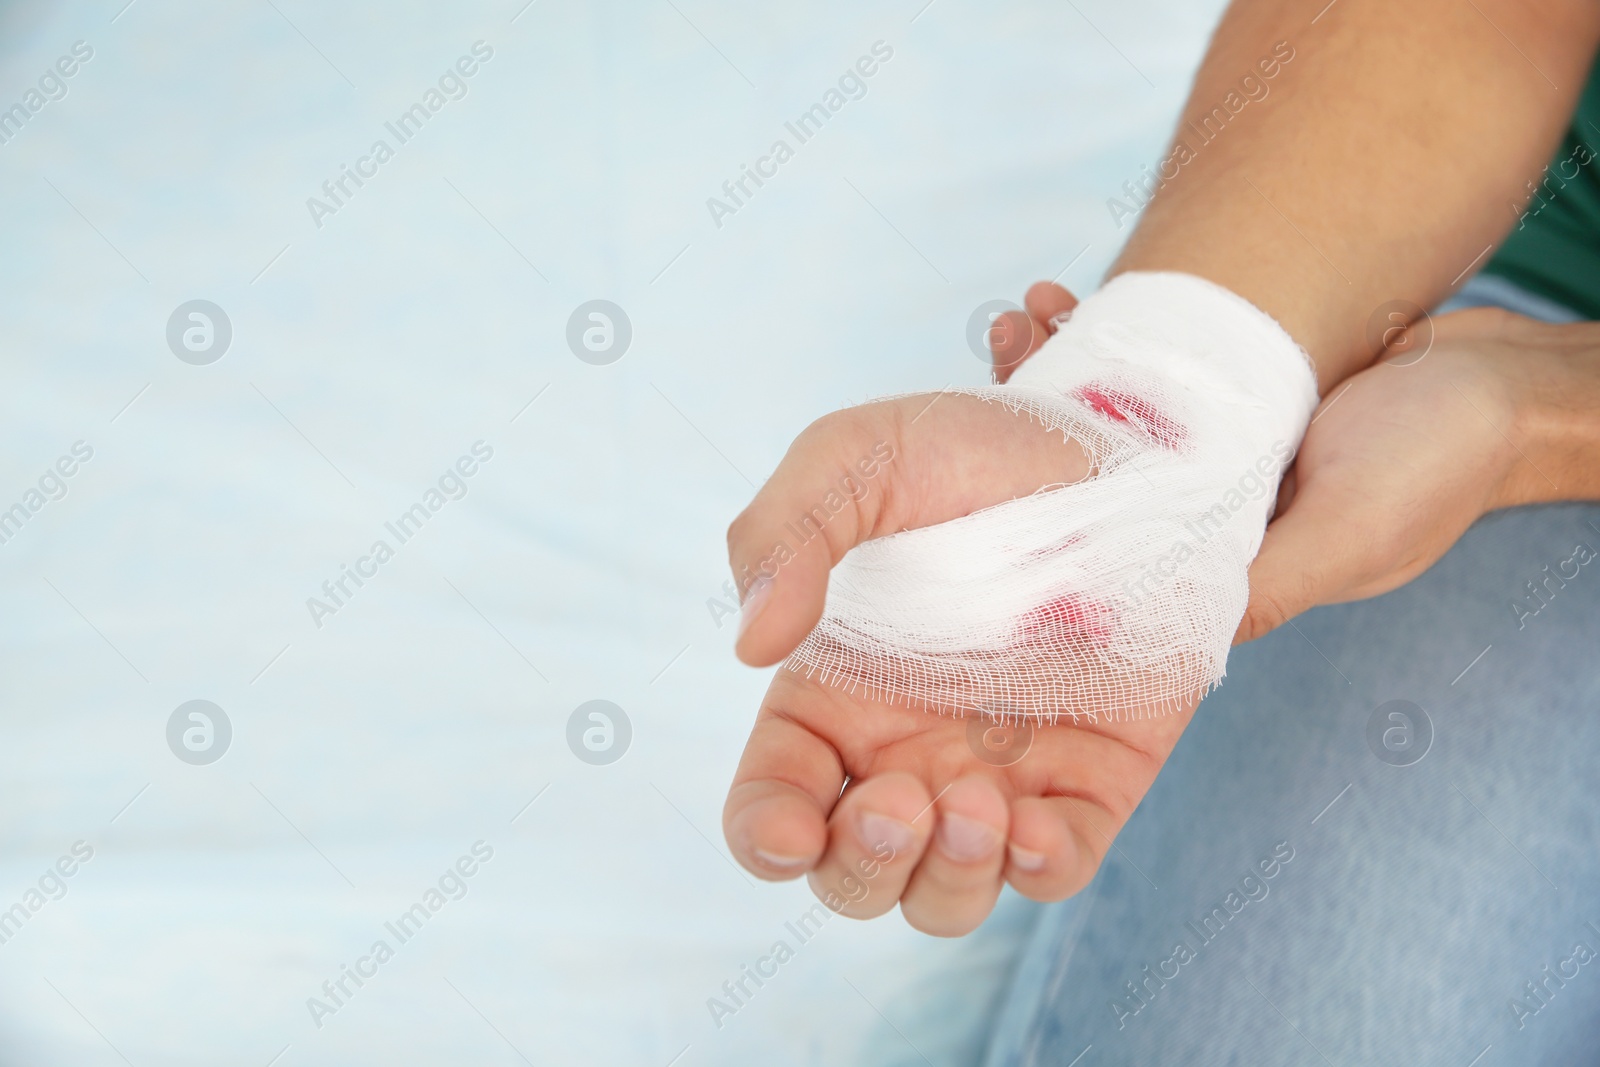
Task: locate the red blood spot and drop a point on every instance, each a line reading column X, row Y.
column 1066, row 620
column 1123, row 407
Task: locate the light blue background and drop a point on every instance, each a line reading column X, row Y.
column 367, row 357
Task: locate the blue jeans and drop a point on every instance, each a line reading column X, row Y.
column 1377, row 843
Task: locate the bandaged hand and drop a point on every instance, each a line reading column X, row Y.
column 1113, row 596
column 1164, row 402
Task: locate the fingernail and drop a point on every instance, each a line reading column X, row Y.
column 966, row 839
column 1025, row 859
column 755, row 598
column 779, row 861
column 881, row 830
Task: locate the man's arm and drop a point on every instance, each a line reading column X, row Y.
column 1383, row 163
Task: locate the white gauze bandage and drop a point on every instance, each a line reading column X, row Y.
column 1110, row 598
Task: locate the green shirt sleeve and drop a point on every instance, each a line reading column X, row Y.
column 1555, row 249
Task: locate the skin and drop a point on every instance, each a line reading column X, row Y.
column 1381, row 165
column 1404, row 456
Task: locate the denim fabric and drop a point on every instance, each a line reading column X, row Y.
column 1487, row 290
column 1419, row 899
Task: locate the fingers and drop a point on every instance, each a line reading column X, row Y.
column 876, row 836
column 942, row 858
column 776, row 816
column 1054, row 849
column 945, row 859
column 1047, row 300
column 955, row 886
column 1016, row 335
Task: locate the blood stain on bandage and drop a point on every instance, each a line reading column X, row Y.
column 1119, row 406
column 1066, row 620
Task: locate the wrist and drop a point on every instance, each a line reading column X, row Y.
column 1149, row 336
column 1552, row 381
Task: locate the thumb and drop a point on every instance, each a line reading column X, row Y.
column 827, row 495
column 1305, row 560
column 866, row 472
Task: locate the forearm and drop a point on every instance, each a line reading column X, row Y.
column 1380, row 166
